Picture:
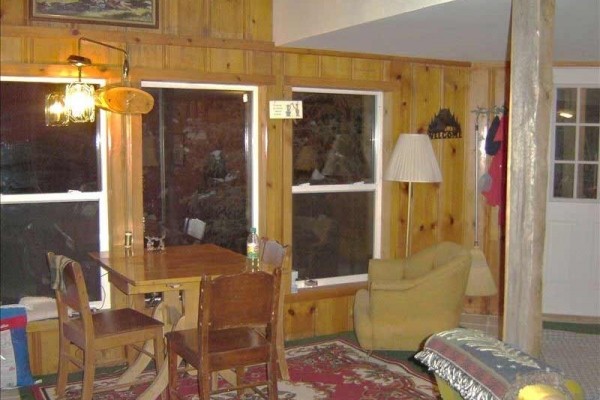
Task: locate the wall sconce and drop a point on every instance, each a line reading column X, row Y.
column 81, row 100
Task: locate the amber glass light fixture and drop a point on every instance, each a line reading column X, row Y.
column 56, row 110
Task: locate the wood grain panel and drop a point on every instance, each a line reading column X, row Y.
column 260, row 62
column 51, row 50
column 150, row 56
column 227, row 19
column 13, row 12
column 300, row 319
column 336, row 67
column 12, row 50
column 226, row 60
column 191, row 17
column 301, row 65
column 425, row 212
column 191, row 58
column 369, row 70
column 332, row 315
column 451, row 152
column 258, row 23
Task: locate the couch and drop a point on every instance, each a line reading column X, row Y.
column 409, row 299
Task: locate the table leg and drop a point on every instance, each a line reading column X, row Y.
column 139, row 365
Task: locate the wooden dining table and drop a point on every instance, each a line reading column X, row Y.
column 176, row 272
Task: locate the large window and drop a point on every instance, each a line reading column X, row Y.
column 199, row 174
column 52, row 192
column 576, row 144
column 336, row 184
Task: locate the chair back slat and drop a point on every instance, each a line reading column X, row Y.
column 74, row 295
column 246, row 299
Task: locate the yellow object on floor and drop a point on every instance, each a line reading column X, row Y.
column 532, row 392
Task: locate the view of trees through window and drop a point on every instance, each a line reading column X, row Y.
column 197, row 167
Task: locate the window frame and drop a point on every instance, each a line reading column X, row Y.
column 376, row 187
column 571, row 78
column 72, row 196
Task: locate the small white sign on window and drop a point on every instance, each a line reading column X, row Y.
column 285, row 109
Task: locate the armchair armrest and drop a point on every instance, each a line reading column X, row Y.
column 395, row 285
column 386, row 269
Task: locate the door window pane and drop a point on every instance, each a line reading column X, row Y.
column 564, row 177
column 44, row 159
column 587, row 185
column 566, row 105
column 589, row 143
column 565, row 143
column 197, row 165
column 332, row 234
column 590, row 105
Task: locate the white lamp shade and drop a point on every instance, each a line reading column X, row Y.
column 413, row 160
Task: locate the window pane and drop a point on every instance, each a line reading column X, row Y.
column 332, row 234
column 199, row 138
column 566, row 105
column 40, row 159
column 333, row 143
column 563, row 180
column 587, row 181
column 589, row 144
column 564, row 148
column 29, row 231
column 590, row 105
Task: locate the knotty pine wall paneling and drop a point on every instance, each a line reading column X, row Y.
column 230, row 41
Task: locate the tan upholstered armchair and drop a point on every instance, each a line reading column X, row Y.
column 410, row 299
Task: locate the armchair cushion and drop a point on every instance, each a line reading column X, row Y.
column 409, row 299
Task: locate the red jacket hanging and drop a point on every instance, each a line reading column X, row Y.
column 496, row 195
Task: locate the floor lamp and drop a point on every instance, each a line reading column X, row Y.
column 413, row 160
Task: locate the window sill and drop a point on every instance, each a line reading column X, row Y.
column 325, row 292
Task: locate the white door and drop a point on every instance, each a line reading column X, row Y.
column 572, row 248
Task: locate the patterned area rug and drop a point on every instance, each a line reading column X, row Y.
column 335, row 370
column 577, row 355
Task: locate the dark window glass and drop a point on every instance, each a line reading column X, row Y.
column 29, row 231
column 197, row 166
column 333, row 143
column 36, row 158
column 333, row 234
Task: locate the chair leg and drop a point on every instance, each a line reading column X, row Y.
column 204, row 384
column 272, row 377
column 172, row 366
column 159, row 351
column 63, row 367
column 89, row 370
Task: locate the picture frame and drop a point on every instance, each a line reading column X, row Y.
column 131, row 13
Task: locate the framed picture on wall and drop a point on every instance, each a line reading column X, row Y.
column 139, row 13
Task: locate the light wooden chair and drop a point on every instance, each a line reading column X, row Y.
column 272, row 255
column 95, row 331
column 232, row 309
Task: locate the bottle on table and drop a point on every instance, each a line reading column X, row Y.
column 252, row 244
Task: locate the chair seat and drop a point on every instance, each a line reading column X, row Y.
column 111, row 325
column 231, row 347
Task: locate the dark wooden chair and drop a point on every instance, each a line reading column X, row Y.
column 272, row 255
column 94, row 331
column 233, row 308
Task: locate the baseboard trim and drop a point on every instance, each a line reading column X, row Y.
column 573, row 319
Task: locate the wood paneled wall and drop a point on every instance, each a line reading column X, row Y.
column 230, row 41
